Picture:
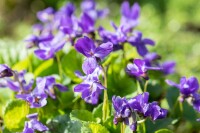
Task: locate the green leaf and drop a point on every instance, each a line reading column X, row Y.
column 82, row 115
column 111, row 126
column 63, row 124
column 151, row 127
column 163, row 131
column 93, row 128
column 15, row 115
column 97, row 112
column 72, row 62
column 21, row 65
column 42, row 67
column 119, row 83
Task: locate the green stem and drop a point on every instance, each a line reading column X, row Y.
column 181, row 106
column 145, row 85
column 143, row 127
column 175, row 104
column 123, row 127
column 105, row 107
column 59, row 66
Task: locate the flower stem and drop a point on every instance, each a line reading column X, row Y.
column 59, row 66
column 16, row 78
column 105, row 107
column 145, row 85
column 123, row 126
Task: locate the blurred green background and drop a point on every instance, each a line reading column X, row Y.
column 173, row 24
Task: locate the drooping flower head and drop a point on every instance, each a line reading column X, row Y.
column 140, row 43
column 168, row 67
column 50, row 85
column 93, row 54
column 48, row 49
column 186, row 86
column 196, row 101
column 46, row 15
column 123, row 112
column 89, row 7
column 36, row 98
column 19, row 82
column 33, row 124
column 91, row 87
column 5, row 71
column 130, row 15
column 139, row 68
column 118, row 36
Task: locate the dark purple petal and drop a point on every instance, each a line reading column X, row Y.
column 36, row 125
column 61, row 87
column 141, row 49
column 168, row 67
column 85, row 46
column 68, row 9
column 171, row 83
column 5, row 71
column 81, row 87
column 44, row 54
column 27, row 129
column 148, row 41
column 103, row 50
column 13, row 85
column 86, row 23
column 135, row 11
column 46, row 14
column 32, row 116
column 125, row 9
column 86, row 93
column 133, row 126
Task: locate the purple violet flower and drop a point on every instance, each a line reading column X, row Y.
column 130, row 15
column 140, row 43
column 65, row 15
column 86, row 23
column 89, row 7
column 91, row 87
column 127, row 110
column 37, row 98
column 50, row 84
column 150, row 58
column 117, row 37
column 33, row 124
column 186, row 86
column 140, row 103
column 168, row 67
column 92, row 53
column 196, row 101
column 123, row 113
column 34, row 40
column 47, row 50
column 139, row 68
column 46, row 15
column 15, row 85
column 5, row 71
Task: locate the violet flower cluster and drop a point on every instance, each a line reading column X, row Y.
column 36, row 97
column 188, row 89
column 91, row 86
column 60, row 27
column 128, row 111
